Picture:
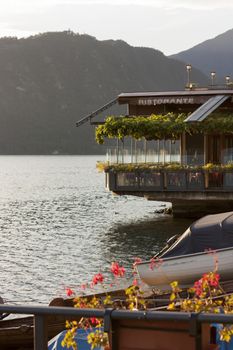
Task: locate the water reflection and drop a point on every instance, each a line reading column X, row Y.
column 142, row 238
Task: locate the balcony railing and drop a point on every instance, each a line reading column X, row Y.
column 168, row 180
column 112, row 323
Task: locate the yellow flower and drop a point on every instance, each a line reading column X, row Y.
column 171, row 307
column 174, row 284
column 108, row 300
column 172, row 296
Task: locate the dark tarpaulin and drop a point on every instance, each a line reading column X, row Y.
column 210, row 232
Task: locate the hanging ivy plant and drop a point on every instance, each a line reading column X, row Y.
column 169, row 126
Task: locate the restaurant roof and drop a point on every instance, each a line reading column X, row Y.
column 207, row 108
column 196, row 92
column 209, row 99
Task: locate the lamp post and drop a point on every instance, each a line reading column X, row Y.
column 213, row 75
column 227, row 78
column 188, row 68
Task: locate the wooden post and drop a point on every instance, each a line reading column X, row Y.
column 157, row 149
column 145, row 149
column 205, row 149
column 131, row 150
column 135, row 149
column 170, row 150
column 222, row 146
column 117, row 155
column 164, row 151
column 122, row 149
column 183, row 148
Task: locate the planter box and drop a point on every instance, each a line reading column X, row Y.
column 126, row 180
column 228, row 180
column 158, row 335
column 195, row 181
column 215, row 180
column 176, row 181
column 151, row 181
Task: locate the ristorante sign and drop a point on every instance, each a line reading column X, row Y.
column 171, row 100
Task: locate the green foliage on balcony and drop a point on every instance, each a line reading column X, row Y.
column 148, row 167
column 158, row 127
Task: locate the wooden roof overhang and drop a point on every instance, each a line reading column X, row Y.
column 168, row 97
column 200, row 102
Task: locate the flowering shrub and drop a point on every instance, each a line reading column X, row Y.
column 97, row 338
column 201, row 297
column 206, row 295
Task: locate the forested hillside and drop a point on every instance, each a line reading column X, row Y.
column 212, row 55
column 49, row 81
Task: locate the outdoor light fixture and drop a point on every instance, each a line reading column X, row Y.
column 188, row 68
column 227, row 78
column 213, row 75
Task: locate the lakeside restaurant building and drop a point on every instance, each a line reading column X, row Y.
column 194, row 171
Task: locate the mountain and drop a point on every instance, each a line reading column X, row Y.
column 51, row 80
column 212, row 55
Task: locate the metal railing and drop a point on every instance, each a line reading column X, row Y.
column 170, row 180
column 41, row 313
column 92, row 115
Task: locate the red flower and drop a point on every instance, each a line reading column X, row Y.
column 69, row 292
column 208, row 280
column 198, row 287
column 214, row 279
column 94, row 321
column 155, row 262
column 135, row 282
column 117, row 270
column 98, row 278
column 83, row 286
column 137, row 261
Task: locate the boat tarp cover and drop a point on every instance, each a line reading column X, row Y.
column 208, row 233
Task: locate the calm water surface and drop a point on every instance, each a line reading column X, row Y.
column 59, row 226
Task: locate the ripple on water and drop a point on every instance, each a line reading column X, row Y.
column 59, row 226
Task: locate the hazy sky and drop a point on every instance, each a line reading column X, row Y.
column 168, row 25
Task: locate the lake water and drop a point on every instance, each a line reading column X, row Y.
column 59, row 226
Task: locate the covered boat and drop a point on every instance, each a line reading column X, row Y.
column 205, row 245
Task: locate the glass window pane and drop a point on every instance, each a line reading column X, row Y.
column 126, row 179
column 176, row 179
column 150, row 179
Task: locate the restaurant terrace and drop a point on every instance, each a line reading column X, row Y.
column 174, row 146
